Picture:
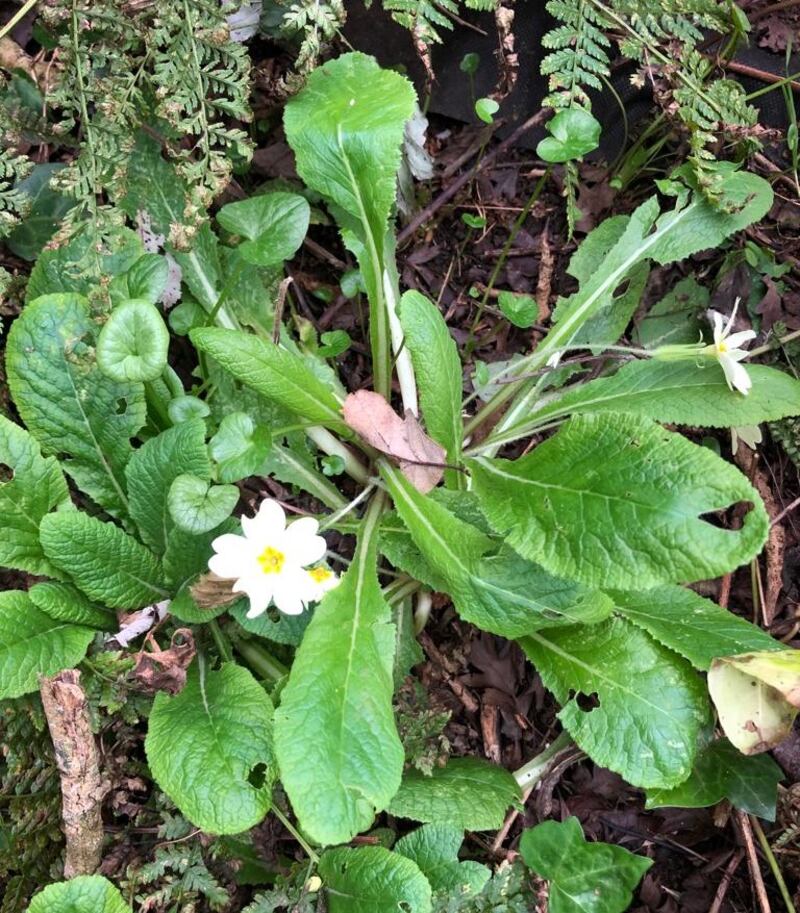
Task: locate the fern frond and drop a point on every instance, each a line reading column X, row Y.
column 13, row 202
column 316, row 23
column 579, row 53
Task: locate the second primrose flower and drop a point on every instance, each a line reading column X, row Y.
column 273, row 562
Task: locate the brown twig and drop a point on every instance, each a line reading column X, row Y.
column 725, row 881
column 460, row 690
column 760, row 75
column 752, row 861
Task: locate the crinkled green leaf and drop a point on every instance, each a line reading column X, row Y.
column 696, row 628
column 340, row 689
column 186, row 408
column 468, row 793
column 210, row 749
column 197, row 506
column 521, row 310
column 239, row 447
column 133, row 343
column 674, row 318
column 47, row 208
column 372, row 879
column 722, row 772
column 33, row 644
column 274, row 225
column 616, row 500
column 30, row 487
column 681, row 393
column 282, row 629
column 152, row 470
column 64, row 602
column 67, row 403
column 145, row 280
column 434, row 848
column 652, row 705
column 584, row 877
column 83, row 894
column 110, row 566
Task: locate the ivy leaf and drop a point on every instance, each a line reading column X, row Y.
column 67, row 403
column 152, row 470
column 643, row 690
column 210, row 749
column 63, row 602
column 696, row 628
column 584, row 877
column 33, row 644
column 468, row 793
column 196, row 506
column 239, row 447
column 372, row 879
column 340, row 688
column 273, row 372
column 641, row 493
column 110, row 566
column 83, row 894
column 434, row 848
column 573, row 133
column 721, row 772
column 274, row 224
column 30, row 487
column 681, row 393
column 133, row 343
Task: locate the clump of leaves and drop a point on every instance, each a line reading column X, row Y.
column 421, row 728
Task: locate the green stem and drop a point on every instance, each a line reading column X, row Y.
column 20, row 14
column 223, row 644
column 260, row 660
column 529, row 774
column 775, row 85
column 313, row 856
column 773, row 864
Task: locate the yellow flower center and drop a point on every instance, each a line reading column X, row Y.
column 722, row 347
column 320, row 574
column 271, row 560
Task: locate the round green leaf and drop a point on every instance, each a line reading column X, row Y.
column 185, row 408
column 132, row 346
column 521, row 310
column 239, row 447
column 372, row 879
column 210, row 749
column 486, row 108
column 197, row 506
column 84, row 894
column 274, row 225
column 574, row 132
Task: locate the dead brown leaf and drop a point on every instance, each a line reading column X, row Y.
column 165, row 670
column 420, row 458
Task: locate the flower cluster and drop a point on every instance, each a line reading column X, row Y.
column 273, row 562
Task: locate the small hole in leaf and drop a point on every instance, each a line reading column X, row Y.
column 586, row 702
column 122, row 406
column 62, row 457
column 6, row 473
column 273, row 614
column 623, row 287
column 257, row 776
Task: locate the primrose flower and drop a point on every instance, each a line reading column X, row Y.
column 270, row 562
column 727, row 350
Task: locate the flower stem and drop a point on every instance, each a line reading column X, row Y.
column 529, row 774
column 773, row 864
column 314, row 857
column 221, row 640
column 260, row 660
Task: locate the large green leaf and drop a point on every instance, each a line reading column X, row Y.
column 64, row 602
column 722, row 772
column 372, row 879
column 273, row 372
column 84, row 894
column 696, row 628
column 35, row 487
column 33, row 644
column 47, row 208
column 616, row 500
column 210, row 749
column 468, row 793
column 434, row 848
column 152, row 470
column 110, row 566
column 197, row 506
column 67, row 403
column 133, row 343
column 584, row 877
column 274, row 225
column 340, row 689
column 501, row 593
column 651, row 703
column 681, row 393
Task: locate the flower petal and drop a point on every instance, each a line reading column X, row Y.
column 232, row 558
column 736, row 375
column 301, row 542
column 268, row 523
column 258, row 590
column 735, row 340
column 290, row 595
column 719, row 325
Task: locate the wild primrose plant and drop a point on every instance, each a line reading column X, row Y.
column 581, row 550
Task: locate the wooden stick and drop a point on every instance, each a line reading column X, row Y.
column 752, row 861
column 725, row 881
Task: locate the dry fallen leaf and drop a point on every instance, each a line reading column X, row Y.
column 402, row 439
column 165, row 670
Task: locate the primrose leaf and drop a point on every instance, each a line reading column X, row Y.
column 67, row 403
column 721, row 772
column 84, row 894
column 30, row 487
column 110, row 566
column 145, row 280
column 273, row 223
column 46, row 209
column 283, row 629
column 696, row 628
column 468, row 793
column 438, row 371
column 273, row 372
column 152, row 470
column 434, row 848
column 372, row 879
column 681, row 393
column 239, row 447
column 501, row 593
column 674, row 318
column 756, row 696
column 133, row 343
column 573, row 133
column 210, row 749
column 615, row 500
column 196, row 506
column 185, row 408
column 651, row 703
column 63, row 602
column 584, row 877
column 340, row 688
column 33, row 644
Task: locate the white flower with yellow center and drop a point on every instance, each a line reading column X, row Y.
column 727, row 350
column 270, row 562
